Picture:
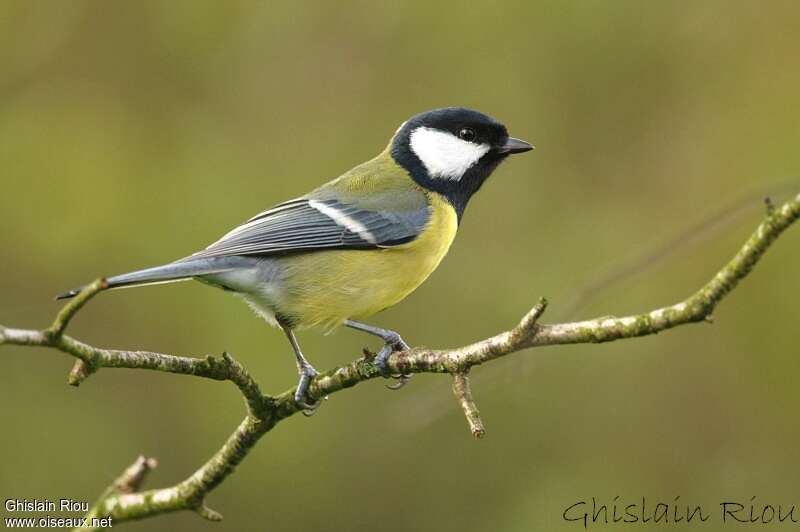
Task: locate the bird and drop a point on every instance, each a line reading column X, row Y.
column 356, row 245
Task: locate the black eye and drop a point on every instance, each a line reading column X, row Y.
column 467, row 134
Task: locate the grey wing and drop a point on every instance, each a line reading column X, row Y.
column 308, row 224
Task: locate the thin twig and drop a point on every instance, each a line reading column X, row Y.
column 463, row 393
column 130, row 481
column 70, row 309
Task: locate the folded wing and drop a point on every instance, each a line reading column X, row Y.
column 309, row 224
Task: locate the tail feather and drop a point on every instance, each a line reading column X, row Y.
column 168, row 273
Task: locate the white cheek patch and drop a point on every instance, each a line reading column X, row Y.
column 444, row 155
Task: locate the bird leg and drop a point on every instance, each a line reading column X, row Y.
column 307, row 372
column 391, row 342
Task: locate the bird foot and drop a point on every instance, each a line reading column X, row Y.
column 393, row 343
column 307, row 373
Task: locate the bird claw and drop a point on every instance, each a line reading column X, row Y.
column 402, row 380
column 393, row 344
column 307, row 373
column 307, row 409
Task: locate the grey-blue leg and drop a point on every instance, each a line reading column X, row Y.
column 391, row 342
column 306, row 371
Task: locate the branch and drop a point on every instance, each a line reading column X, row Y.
column 123, row 501
column 463, row 393
column 128, row 482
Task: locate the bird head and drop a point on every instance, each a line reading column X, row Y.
column 453, row 150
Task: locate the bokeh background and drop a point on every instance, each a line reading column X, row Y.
column 135, row 133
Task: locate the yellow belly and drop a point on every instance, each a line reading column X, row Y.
column 325, row 288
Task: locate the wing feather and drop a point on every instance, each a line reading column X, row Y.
column 307, row 224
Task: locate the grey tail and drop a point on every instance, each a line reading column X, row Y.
column 168, row 273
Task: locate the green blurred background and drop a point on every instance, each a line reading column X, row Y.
column 133, row 133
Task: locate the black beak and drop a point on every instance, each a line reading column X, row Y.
column 513, row 145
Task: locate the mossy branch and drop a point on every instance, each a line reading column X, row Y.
column 124, row 501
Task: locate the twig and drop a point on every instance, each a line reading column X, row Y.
column 463, row 393
column 130, row 481
column 264, row 412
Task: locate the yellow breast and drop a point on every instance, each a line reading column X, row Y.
column 325, row 288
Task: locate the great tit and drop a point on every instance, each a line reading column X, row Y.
column 358, row 244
